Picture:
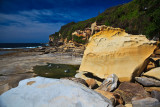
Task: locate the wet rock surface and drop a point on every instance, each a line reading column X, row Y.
column 19, row 66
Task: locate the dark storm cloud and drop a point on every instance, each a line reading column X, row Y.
column 34, row 20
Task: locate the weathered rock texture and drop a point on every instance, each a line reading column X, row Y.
column 129, row 90
column 115, row 98
column 113, row 51
column 156, row 94
column 45, row 92
column 147, row 81
column 145, row 102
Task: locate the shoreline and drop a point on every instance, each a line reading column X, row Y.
column 17, row 66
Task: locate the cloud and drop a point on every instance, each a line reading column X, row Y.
column 35, row 24
column 31, row 32
column 34, row 20
column 27, row 26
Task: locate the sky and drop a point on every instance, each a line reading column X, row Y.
column 32, row 21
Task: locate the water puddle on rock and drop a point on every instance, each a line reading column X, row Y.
column 56, row 70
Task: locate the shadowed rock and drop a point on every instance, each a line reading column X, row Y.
column 145, row 102
column 156, row 94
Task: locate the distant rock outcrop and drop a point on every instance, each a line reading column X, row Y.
column 113, row 51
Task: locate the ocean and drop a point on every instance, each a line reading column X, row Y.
column 9, row 46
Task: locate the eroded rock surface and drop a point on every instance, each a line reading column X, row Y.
column 47, row 92
column 129, row 90
column 113, row 51
column 114, row 98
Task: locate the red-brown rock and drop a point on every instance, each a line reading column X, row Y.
column 129, row 90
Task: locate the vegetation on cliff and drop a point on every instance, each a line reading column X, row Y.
column 136, row 17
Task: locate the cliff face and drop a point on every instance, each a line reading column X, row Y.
column 113, row 51
column 136, row 17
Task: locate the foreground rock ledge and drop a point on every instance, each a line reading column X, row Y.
column 113, row 51
column 45, row 92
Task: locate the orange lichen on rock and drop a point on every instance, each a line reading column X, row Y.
column 30, row 82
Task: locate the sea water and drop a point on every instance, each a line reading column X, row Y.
column 10, row 46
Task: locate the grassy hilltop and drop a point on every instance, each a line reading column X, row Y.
column 136, row 17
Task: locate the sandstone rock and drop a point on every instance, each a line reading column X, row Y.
column 156, row 94
column 110, row 83
column 78, row 50
column 152, row 88
column 145, row 102
column 83, row 76
column 128, row 105
column 53, row 50
column 113, row 51
column 155, row 73
column 115, row 98
column 30, row 83
column 93, row 27
column 4, row 87
column 150, row 66
column 91, row 83
column 129, row 90
column 147, row 81
column 157, row 52
column 47, row 92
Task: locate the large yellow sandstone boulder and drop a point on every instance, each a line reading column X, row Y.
column 113, row 51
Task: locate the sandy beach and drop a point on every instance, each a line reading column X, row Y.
column 18, row 66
